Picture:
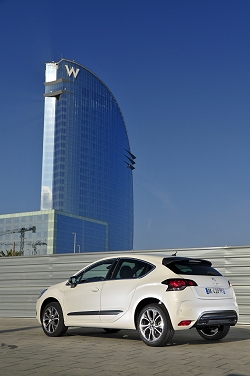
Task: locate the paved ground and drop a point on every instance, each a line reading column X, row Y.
column 25, row 350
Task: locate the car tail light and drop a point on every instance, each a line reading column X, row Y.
column 178, row 284
column 185, row 323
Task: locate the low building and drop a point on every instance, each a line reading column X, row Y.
column 51, row 231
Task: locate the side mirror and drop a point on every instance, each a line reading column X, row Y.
column 72, row 282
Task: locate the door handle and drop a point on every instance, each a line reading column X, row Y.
column 95, row 289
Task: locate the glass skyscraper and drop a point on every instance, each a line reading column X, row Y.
column 87, row 162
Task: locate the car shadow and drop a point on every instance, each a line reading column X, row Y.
column 19, row 329
column 183, row 337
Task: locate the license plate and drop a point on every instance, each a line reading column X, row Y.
column 215, row 290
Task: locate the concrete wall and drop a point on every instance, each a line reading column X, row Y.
column 22, row 278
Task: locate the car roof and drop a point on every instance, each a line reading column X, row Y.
column 153, row 257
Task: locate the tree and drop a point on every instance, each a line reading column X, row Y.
column 9, row 253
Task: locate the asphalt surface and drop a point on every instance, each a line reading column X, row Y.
column 25, row 350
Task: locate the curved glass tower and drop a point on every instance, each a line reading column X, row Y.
column 87, row 162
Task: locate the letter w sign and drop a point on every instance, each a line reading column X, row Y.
column 72, row 70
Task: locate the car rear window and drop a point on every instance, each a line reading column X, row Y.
column 192, row 267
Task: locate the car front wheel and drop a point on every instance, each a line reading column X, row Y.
column 52, row 320
column 154, row 325
column 214, row 333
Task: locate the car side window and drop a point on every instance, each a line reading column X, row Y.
column 95, row 273
column 131, row 268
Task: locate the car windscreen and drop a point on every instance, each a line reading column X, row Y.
column 192, row 267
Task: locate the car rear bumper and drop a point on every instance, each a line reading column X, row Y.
column 203, row 313
column 217, row 318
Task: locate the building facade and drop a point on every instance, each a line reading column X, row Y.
column 87, row 162
column 51, row 231
column 87, row 184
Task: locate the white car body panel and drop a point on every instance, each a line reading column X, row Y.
column 82, row 298
column 117, row 295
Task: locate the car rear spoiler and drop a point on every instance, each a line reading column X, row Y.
column 185, row 260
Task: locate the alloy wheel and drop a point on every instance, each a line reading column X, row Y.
column 50, row 319
column 151, row 324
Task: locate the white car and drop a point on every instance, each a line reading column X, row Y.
column 153, row 294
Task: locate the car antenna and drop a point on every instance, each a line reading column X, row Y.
column 174, row 254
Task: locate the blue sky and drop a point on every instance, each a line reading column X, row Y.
column 180, row 71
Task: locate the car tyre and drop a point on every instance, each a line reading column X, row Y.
column 52, row 320
column 214, row 333
column 154, row 325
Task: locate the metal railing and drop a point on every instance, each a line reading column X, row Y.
column 22, row 278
